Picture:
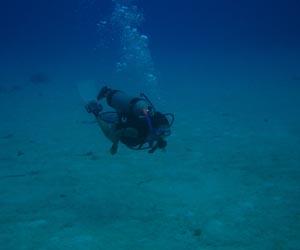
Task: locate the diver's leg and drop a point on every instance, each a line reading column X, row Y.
column 108, row 130
column 104, row 92
column 128, row 132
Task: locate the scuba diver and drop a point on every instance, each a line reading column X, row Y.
column 135, row 122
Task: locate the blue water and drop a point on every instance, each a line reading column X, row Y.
column 228, row 70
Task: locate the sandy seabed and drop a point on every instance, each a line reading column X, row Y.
column 229, row 179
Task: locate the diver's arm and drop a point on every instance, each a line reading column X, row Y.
column 114, row 148
column 115, row 135
column 107, row 129
column 128, row 132
column 111, row 133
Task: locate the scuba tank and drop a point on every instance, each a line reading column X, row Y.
column 125, row 104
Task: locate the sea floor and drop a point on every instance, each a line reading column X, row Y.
column 228, row 180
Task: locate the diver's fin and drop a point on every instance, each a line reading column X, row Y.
column 94, row 107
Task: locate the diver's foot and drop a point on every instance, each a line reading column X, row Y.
column 93, row 107
column 103, row 93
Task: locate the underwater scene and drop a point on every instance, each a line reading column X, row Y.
column 150, row 125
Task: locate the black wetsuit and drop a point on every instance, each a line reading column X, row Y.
column 138, row 123
column 131, row 115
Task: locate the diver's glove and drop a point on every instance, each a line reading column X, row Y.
column 160, row 144
column 94, row 108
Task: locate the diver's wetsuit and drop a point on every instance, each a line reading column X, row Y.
column 138, row 126
column 137, row 123
column 130, row 116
